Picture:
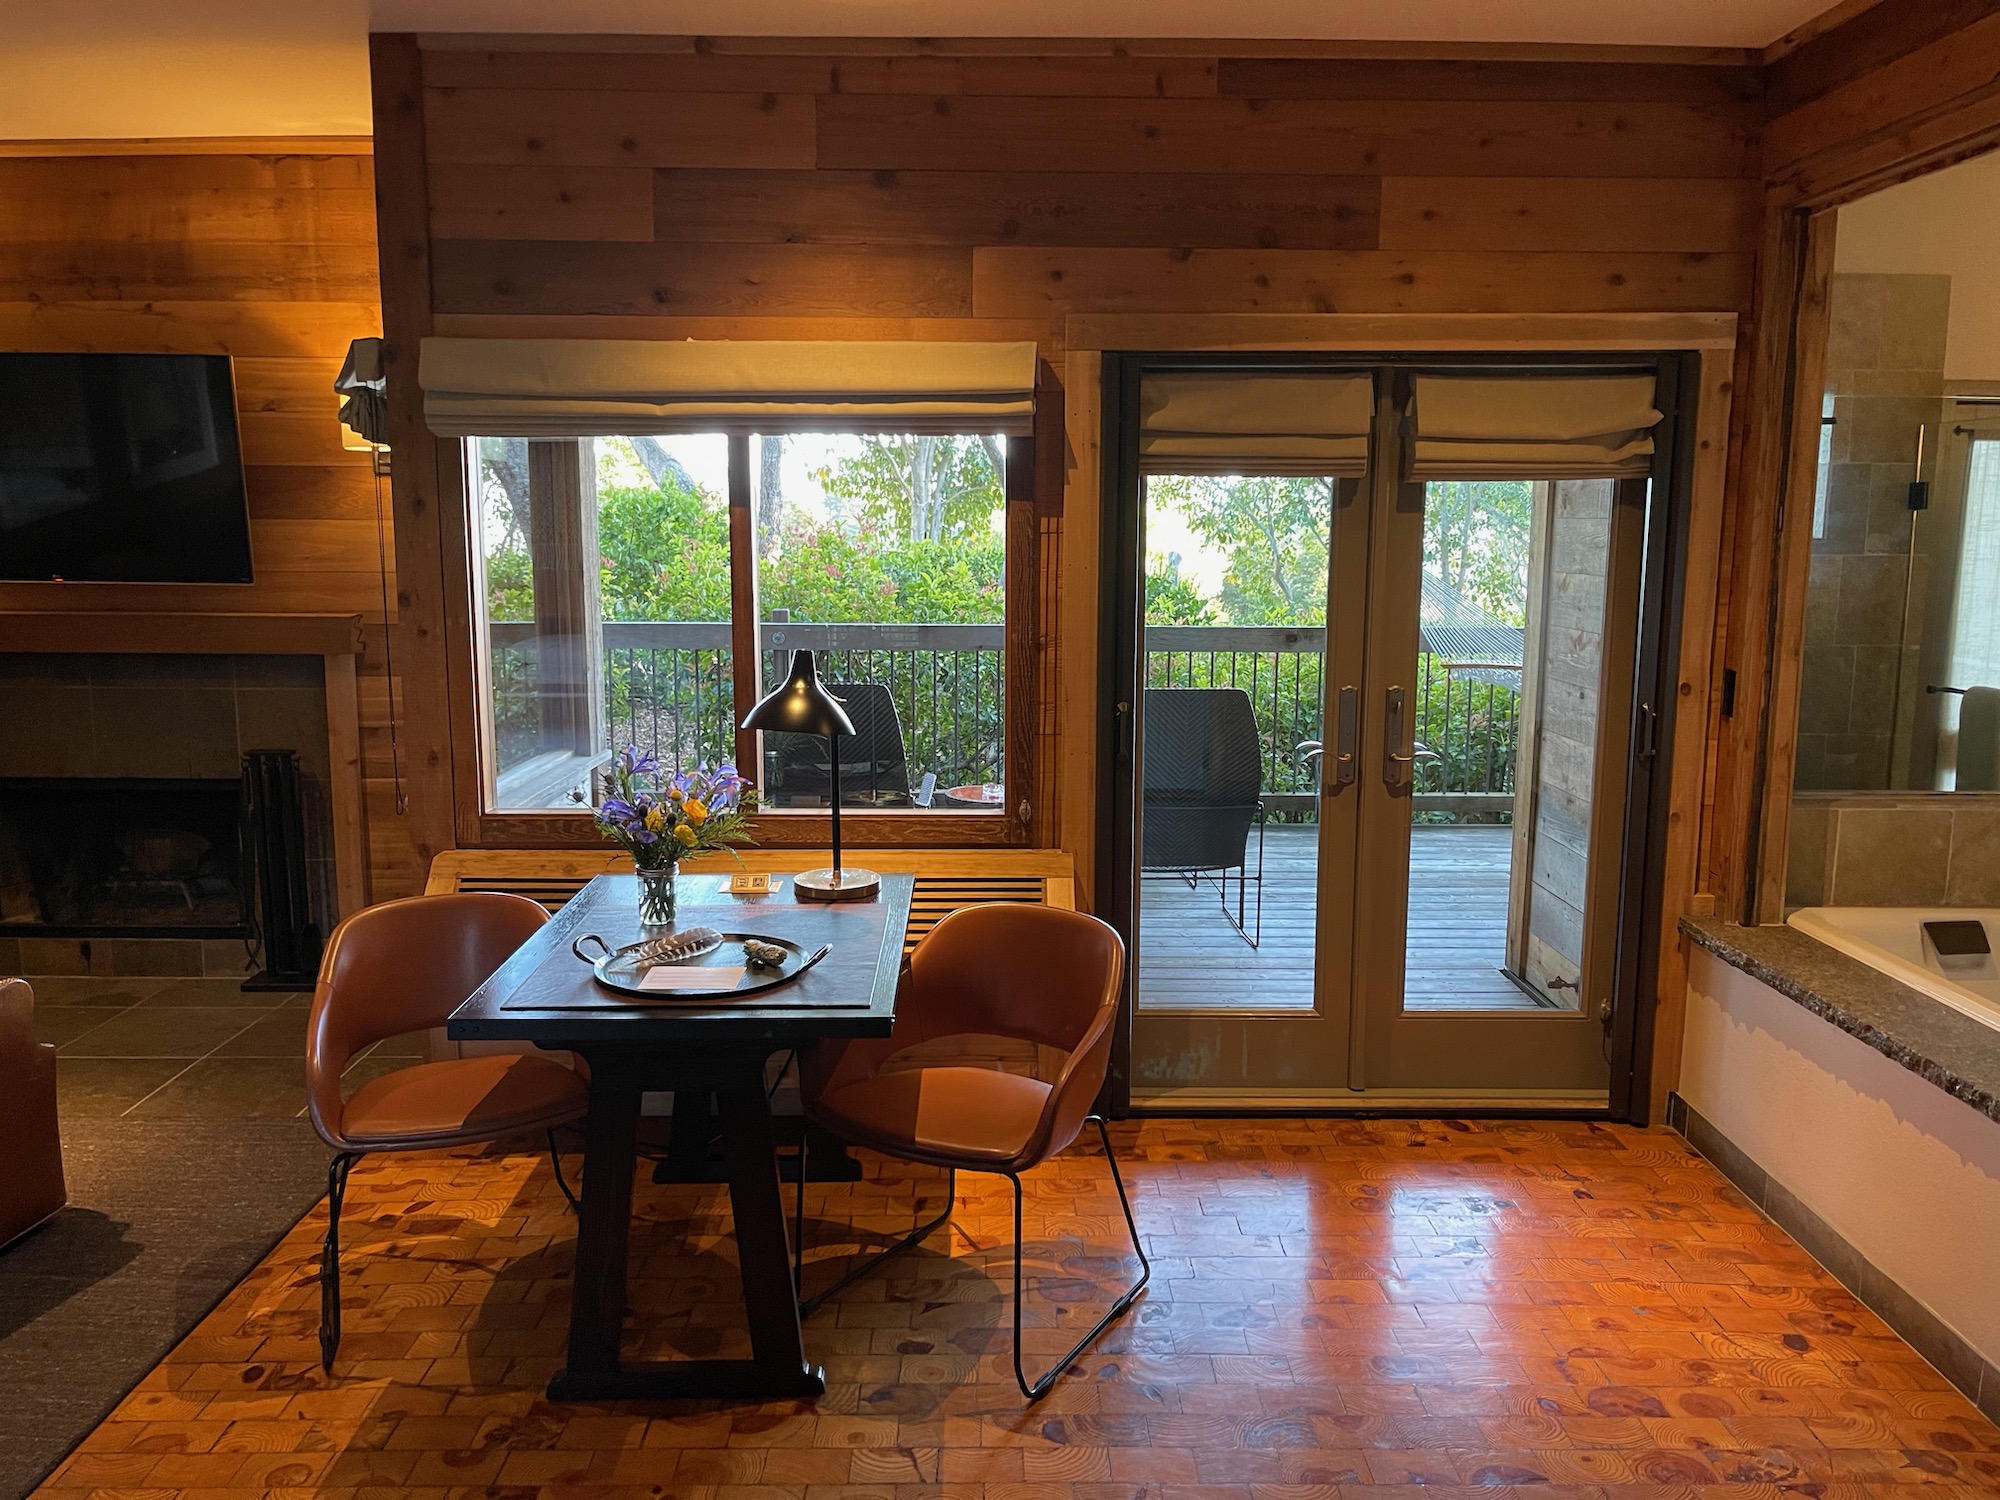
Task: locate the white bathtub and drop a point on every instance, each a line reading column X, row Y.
column 1891, row 939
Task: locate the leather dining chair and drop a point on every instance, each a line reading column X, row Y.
column 984, row 981
column 405, row 966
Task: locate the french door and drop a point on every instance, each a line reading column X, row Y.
column 1380, row 790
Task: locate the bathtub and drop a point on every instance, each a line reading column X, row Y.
column 1892, row 939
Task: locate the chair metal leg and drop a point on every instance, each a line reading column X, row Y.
column 329, row 1259
column 810, row 1305
column 555, row 1160
column 1035, row 1390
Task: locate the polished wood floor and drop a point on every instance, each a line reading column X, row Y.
column 1339, row 1308
column 1190, row 957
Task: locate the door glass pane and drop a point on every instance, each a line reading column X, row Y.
column 885, row 555
column 1467, row 708
column 1235, row 641
column 605, row 580
column 1972, row 758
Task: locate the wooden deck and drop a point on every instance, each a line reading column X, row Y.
column 1189, row 956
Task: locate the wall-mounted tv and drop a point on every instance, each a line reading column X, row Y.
column 121, row 468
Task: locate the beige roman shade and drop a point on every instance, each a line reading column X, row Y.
column 1534, row 427
column 607, row 387
column 1221, row 423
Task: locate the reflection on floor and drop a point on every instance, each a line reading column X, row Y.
column 186, row 1048
column 1338, row 1308
column 1189, row 956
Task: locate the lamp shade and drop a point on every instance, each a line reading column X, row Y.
column 800, row 704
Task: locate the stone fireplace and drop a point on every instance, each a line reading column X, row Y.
column 121, row 845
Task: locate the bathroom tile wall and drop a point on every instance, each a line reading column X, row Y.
column 166, row 715
column 1885, row 373
column 1940, row 849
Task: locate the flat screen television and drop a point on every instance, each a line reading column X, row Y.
column 121, row 468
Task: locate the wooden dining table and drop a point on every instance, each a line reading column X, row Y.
column 696, row 1049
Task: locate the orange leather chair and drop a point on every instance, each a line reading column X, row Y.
column 405, row 966
column 31, row 1187
column 984, row 981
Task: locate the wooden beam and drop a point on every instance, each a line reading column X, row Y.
column 1694, row 717
column 181, row 633
column 1791, row 566
column 1372, row 331
column 569, row 640
column 402, row 196
column 195, row 145
column 746, row 656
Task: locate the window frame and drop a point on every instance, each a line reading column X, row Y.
column 468, row 686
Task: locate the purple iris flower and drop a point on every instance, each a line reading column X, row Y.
column 636, row 762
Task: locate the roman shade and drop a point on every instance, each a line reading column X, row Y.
column 606, row 387
column 1222, row 423
column 1534, row 427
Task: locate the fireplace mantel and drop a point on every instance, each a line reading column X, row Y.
column 123, row 631
column 336, row 639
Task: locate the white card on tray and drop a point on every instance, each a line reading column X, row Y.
column 667, row 977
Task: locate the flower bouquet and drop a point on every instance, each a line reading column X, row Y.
column 691, row 813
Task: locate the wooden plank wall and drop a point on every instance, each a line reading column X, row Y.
column 269, row 257
column 745, row 189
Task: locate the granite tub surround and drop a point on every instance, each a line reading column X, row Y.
column 1926, row 1036
column 1908, row 849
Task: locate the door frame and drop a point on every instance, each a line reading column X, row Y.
column 1660, row 678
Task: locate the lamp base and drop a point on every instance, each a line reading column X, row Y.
column 837, row 885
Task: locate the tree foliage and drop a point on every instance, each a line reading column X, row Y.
column 908, row 536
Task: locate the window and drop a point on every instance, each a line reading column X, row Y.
column 616, row 580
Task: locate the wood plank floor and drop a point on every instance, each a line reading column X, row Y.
column 1390, row 1309
column 1190, row 957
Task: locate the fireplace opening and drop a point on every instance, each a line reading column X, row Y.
column 123, row 857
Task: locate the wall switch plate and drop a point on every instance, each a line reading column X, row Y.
column 749, row 885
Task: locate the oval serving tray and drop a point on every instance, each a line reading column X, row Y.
column 614, row 972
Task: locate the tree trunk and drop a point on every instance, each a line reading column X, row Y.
column 924, row 523
column 662, row 465
column 506, row 463
column 770, row 494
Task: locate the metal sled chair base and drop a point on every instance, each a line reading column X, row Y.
column 1033, row 1390
column 329, row 1257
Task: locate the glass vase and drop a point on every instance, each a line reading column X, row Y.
column 658, row 897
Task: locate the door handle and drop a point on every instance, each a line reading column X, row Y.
column 1346, row 726
column 1395, row 708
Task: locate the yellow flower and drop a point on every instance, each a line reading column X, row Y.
column 694, row 811
column 685, row 834
column 656, row 819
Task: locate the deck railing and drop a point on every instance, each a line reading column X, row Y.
column 668, row 690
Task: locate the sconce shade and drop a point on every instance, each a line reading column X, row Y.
column 800, row 704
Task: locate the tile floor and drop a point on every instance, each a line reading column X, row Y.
column 1386, row 1309
column 180, row 1048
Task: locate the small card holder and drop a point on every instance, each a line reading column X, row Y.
column 745, row 883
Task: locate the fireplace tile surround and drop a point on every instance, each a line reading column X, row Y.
column 163, row 715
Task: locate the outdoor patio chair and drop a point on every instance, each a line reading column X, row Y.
column 874, row 765
column 930, row 1092
column 1201, row 795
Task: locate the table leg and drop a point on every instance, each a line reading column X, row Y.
column 597, row 1298
column 597, row 1312
column 763, row 1241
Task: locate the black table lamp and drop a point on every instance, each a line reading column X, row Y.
column 802, row 705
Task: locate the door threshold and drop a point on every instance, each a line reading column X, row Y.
column 1203, row 1101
